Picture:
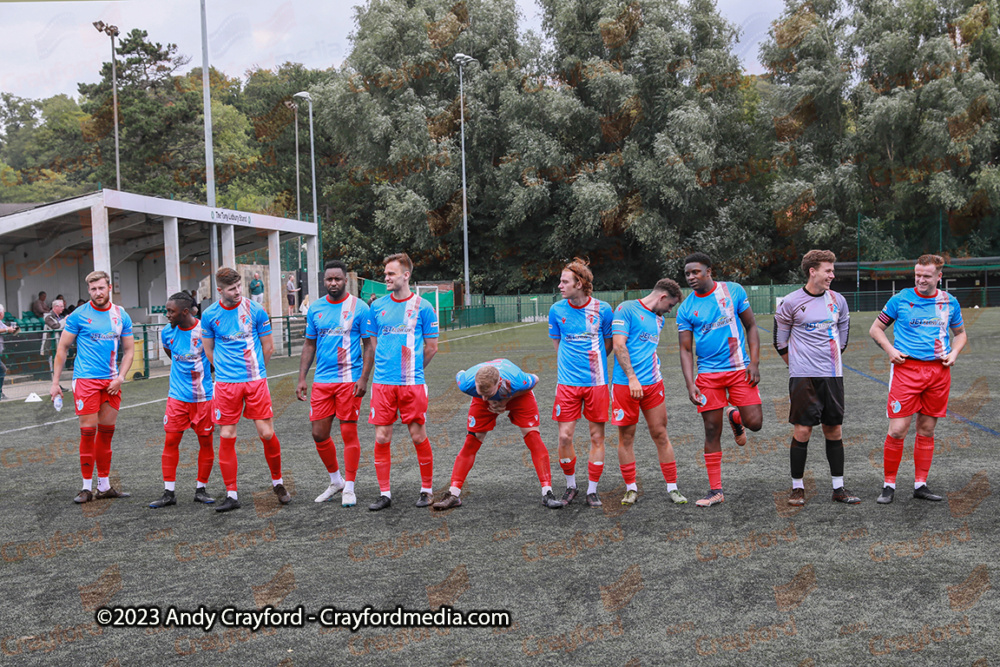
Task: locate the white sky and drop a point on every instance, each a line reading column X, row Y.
column 47, row 47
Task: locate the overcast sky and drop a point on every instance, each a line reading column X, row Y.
column 47, row 47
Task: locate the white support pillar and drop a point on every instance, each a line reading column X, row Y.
column 228, row 246
column 312, row 266
column 274, row 282
column 101, row 237
column 171, row 255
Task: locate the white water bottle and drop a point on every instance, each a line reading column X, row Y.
column 57, row 403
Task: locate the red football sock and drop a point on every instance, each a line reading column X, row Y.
column 628, row 472
column 103, row 454
column 171, row 455
column 594, row 472
column 568, row 467
column 227, row 462
column 88, row 437
column 328, row 454
column 425, row 457
column 923, row 453
column 206, row 457
column 352, row 449
column 892, row 455
column 463, row 462
column 713, row 462
column 383, row 464
column 669, row 472
column 272, row 452
column 539, row 457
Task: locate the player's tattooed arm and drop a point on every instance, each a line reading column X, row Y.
column 957, row 343
column 621, row 354
column 877, row 332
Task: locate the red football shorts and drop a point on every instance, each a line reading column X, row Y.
column 591, row 402
column 90, row 394
column 337, row 399
column 409, row 401
column 522, row 410
column 918, row 386
column 715, row 385
column 181, row 416
column 230, row 398
column 625, row 409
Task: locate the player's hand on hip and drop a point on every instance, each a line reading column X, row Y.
column 897, row 357
column 301, row 391
column 950, row 360
column 634, row 388
column 753, row 374
column 115, row 386
column 360, row 388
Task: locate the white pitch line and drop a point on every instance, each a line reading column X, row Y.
column 125, row 407
column 486, row 333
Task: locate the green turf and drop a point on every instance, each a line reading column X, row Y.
column 751, row 581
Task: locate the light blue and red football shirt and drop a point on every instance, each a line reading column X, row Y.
column 237, row 352
column 642, row 326
column 338, row 327
column 97, row 334
column 190, row 374
column 922, row 323
column 512, row 379
column 713, row 318
column 581, row 331
column 400, row 327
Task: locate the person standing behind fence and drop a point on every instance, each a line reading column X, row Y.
column 256, row 288
column 97, row 328
column 40, row 306
column 8, row 329
column 291, row 289
column 53, row 322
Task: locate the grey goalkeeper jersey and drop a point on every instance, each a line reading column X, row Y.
column 813, row 330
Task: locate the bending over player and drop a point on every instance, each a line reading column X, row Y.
column 496, row 387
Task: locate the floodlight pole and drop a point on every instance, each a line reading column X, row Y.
column 463, row 60
column 112, row 31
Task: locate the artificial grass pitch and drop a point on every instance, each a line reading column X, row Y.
column 752, row 580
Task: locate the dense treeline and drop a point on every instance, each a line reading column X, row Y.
column 627, row 133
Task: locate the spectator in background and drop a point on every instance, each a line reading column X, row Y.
column 53, row 322
column 291, row 289
column 372, row 298
column 257, row 289
column 40, row 306
column 195, row 308
column 10, row 329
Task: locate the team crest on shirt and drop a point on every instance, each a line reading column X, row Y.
column 723, row 302
column 590, row 318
